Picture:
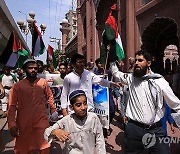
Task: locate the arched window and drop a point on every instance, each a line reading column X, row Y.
column 170, row 58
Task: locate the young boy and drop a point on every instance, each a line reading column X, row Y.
column 81, row 131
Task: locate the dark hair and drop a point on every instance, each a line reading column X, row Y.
column 69, row 64
column 39, row 62
column 7, row 68
column 70, row 69
column 64, row 64
column 98, row 61
column 47, row 65
column 145, row 54
column 90, row 64
column 75, row 57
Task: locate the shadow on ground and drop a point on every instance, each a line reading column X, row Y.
column 5, row 138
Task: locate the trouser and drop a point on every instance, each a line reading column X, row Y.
column 137, row 138
column 104, row 121
column 4, row 101
column 111, row 106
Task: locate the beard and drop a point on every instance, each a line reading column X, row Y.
column 139, row 72
column 31, row 75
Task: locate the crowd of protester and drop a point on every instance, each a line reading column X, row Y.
column 23, row 96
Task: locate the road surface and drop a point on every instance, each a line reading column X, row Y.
column 114, row 143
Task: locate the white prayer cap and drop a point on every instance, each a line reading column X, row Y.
column 28, row 61
column 76, row 93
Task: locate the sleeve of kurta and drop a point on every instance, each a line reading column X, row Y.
column 98, row 80
column 116, row 73
column 12, row 107
column 65, row 93
column 47, row 133
column 50, row 98
column 100, row 142
column 170, row 98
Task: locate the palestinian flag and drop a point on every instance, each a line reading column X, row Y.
column 112, row 38
column 23, row 55
column 10, row 55
column 38, row 46
column 51, row 56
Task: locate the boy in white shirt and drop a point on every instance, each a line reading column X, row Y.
column 81, row 131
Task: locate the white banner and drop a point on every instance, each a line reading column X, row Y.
column 56, row 90
column 49, row 77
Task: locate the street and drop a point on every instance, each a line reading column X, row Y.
column 114, row 143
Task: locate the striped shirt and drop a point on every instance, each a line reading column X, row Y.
column 140, row 105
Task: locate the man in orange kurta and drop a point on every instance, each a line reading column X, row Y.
column 27, row 115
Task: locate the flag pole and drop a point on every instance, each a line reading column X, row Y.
column 17, row 60
column 107, row 54
column 32, row 33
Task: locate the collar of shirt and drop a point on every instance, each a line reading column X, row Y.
column 80, row 122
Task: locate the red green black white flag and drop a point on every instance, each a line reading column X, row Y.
column 51, row 56
column 111, row 37
column 23, row 55
column 10, row 55
column 38, row 46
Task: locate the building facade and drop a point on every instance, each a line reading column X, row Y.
column 71, row 16
column 133, row 18
column 141, row 13
column 65, row 29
